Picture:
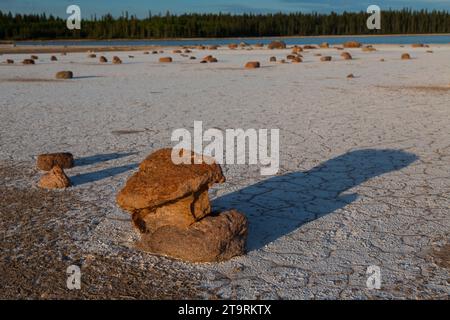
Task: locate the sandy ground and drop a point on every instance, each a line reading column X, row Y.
column 364, row 177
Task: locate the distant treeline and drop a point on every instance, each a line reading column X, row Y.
column 42, row 26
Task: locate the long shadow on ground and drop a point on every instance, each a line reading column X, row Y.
column 280, row 205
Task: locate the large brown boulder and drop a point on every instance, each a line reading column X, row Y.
column 55, row 179
column 213, row 239
column 64, row 75
column 163, row 193
column 352, row 44
column 47, row 161
column 277, row 45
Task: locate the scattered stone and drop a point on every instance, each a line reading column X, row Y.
column 368, row 49
column 116, row 60
column 277, row 45
column 210, row 59
column 53, row 58
column 47, row 161
column 252, row 65
column 103, row 59
column 429, row 51
column 382, row 60
column 177, row 51
column 350, row 76
column 187, row 51
column 290, row 57
column 213, row 239
column 232, row 46
column 273, row 59
column 55, row 179
column 92, row 55
column 352, row 44
column 165, row 59
column 297, row 59
column 64, row 75
column 131, row 57
column 346, row 56
column 28, row 61
column 154, row 52
column 309, row 47
column 324, row 45
column 296, row 50
column 406, row 56
column 34, row 57
column 325, row 58
column 317, row 54
column 9, row 61
column 213, row 47
column 203, row 61
column 192, row 58
column 417, row 45
column 259, row 45
column 282, row 61
column 147, row 52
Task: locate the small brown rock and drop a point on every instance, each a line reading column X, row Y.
column 273, row 59
column 116, row 60
column 406, row 56
column 165, row 59
column 9, row 61
column 297, row 60
column 34, row 57
column 47, row 161
column 28, row 61
column 252, row 65
column 346, row 56
column 64, row 75
column 352, row 44
column 325, row 58
column 417, row 45
column 103, row 59
column 55, row 179
column 53, row 58
column 92, row 55
column 277, row 45
column 324, row 45
column 350, row 76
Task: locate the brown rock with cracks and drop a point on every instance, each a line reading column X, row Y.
column 213, row 239
column 47, row 161
column 55, row 179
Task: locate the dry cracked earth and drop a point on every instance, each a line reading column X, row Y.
column 364, row 176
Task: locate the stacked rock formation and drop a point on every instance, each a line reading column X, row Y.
column 170, row 207
column 54, row 163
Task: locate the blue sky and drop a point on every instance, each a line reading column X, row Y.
column 141, row 7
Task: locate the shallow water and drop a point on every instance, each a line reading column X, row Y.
column 432, row 39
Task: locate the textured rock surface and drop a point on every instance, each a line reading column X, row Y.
column 213, row 239
column 47, row 161
column 55, row 179
column 252, row 65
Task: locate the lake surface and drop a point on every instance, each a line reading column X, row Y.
column 430, row 39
